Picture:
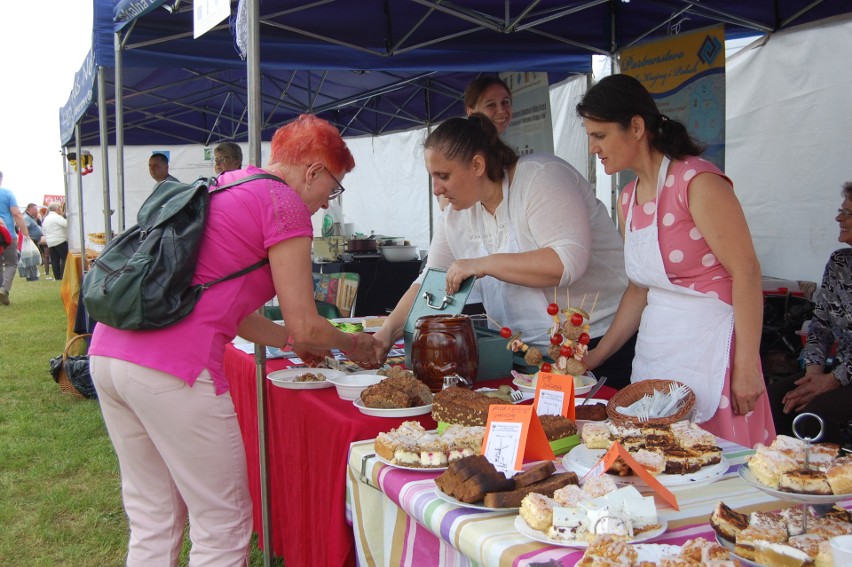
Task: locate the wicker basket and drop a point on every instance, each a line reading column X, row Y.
column 635, row 391
column 65, row 385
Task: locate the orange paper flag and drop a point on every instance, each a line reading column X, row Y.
column 554, row 395
column 513, row 435
column 617, row 450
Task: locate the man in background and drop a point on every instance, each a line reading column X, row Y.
column 227, row 156
column 12, row 217
column 33, row 223
column 158, row 167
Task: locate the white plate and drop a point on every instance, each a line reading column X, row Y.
column 524, row 528
column 403, row 467
column 581, row 459
column 394, row 412
column 729, row 545
column 748, row 476
column 475, row 506
column 286, row 378
column 588, row 383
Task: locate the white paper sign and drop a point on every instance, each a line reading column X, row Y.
column 207, row 14
column 550, row 402
column 503, row 444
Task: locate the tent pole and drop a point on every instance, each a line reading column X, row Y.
column 104, row 134
column 119, row 134
column 78, row 134
column 254, row 121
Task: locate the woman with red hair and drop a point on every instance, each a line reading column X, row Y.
column 163, row 393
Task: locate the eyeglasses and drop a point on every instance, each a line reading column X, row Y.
column 339, row 190
column 220, row 160
column 844, row 213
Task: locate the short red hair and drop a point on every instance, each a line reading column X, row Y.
column 307, row 140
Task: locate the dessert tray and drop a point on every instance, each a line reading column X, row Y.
column 392, row 412
column 405, row 468
column 581, row 460
column 537, row 535
column 287, row 378
column 748, row 476
column 527, row 383
column 474, row 505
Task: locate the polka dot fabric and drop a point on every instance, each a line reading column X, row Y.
column 688, row 260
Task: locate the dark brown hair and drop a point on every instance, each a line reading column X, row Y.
column 618, row 98
column 477, row 86
column 462, row 138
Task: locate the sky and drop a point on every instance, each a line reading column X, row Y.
column 42, row 49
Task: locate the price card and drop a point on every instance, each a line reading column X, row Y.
column 513, row 434
column 617, row 450
column 554, row 395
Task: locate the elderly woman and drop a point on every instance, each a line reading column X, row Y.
column 523, row 226
column 825, row 385
column 694, row 293
column 163, row 393
column 227, row 156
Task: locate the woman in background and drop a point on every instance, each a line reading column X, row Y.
column 825, row 385
column 163, row 392
column 490, row 96
column 694, row 293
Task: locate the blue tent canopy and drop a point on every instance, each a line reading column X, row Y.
column 369, row 66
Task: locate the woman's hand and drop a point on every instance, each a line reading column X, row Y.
column 314, row 358
column 747, row 385
column 363, row 350
column 383, row 344
column 811, row 385
column 460, row 270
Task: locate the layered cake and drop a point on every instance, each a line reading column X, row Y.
column 412, row 446
column 401, row 390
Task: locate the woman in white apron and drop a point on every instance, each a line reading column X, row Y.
column 530, row 229
column 695, row 292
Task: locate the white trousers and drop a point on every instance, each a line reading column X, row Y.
column 181, row 453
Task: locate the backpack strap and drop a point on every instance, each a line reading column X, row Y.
column 237, row 274
column 253, row 267
column 254, row 177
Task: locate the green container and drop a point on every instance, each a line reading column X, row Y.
column 495, row 360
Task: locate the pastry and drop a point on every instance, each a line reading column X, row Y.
column 839, row 477
column 545, row 487
column 727, row 522
column 596, row 435
column 590, row 412
column 537, row 511
column 804, row 481
column 780, row 555
column 462, row 406
column 748, row 538
column 557, row 427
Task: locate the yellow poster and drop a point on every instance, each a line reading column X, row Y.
column 686, row 76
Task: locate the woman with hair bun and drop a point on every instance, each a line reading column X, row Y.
column 695, row 290
column 522, row 226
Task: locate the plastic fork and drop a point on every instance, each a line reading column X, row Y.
column 516, row 396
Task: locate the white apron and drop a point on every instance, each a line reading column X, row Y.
column 518, row 307
column 684, row 334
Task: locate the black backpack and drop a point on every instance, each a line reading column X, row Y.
column 143, row 277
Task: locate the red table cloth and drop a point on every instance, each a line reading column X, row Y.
column 308, row 436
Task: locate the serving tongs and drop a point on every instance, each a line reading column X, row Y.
column 808, row 440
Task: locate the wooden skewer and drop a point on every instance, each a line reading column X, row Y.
column 592, row 310
column 499, row 326
column 554, row 295
column 583, row 301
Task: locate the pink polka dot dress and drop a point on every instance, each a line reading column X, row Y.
column 689, row 262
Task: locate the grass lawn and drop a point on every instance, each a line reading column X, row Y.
column 60, row 501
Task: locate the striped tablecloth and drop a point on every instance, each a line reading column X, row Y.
column 398, row 520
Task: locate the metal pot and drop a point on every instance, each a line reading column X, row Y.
column 360, row 245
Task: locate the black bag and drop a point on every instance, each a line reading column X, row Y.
column 780, row 346
column 142, row 278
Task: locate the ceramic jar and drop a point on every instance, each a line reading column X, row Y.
column 444, row 345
